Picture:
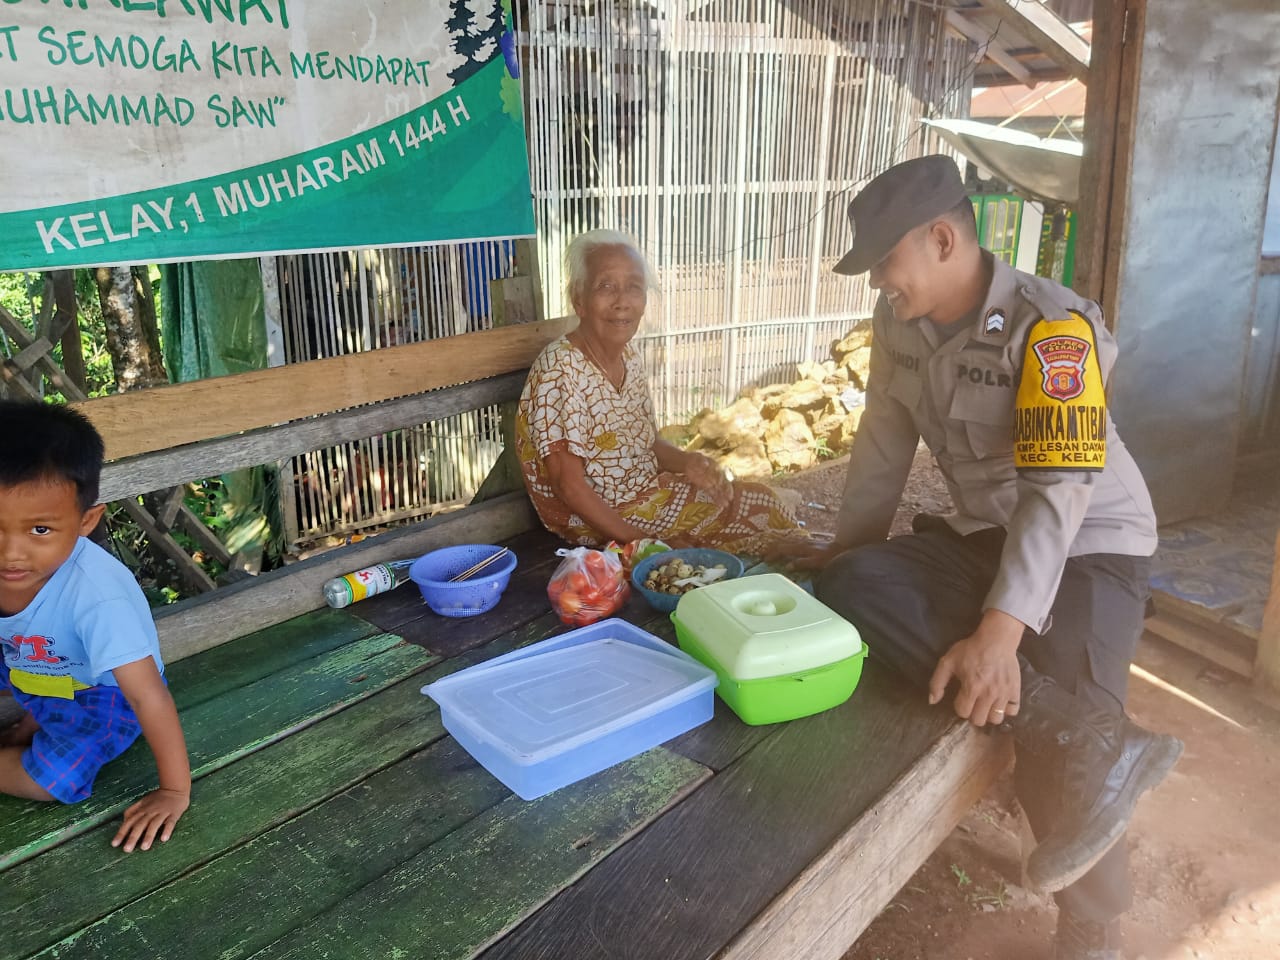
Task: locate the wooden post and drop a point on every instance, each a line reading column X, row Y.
column 66, row 321
column 1108, row 119
column 1267, row 666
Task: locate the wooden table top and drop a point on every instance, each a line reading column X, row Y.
column 332, row 816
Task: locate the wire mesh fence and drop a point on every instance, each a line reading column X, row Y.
column 355, row 300
column 725, row 137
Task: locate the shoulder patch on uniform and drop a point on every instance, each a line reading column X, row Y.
column 994, row 321
column 1060, row 421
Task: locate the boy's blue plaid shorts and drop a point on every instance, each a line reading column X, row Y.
column 76, row 737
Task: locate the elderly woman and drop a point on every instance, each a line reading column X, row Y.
column 592, row 459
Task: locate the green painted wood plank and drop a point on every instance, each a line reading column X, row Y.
column 465, row 891
column 260, row 654
column 262, row 891
column 230, row 807
column 720, row 742
column 218, row 732
column 717, row 860
column 234, row 804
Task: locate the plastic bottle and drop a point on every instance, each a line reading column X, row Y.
column 379, row 578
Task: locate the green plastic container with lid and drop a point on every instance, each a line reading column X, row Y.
column 778, row 652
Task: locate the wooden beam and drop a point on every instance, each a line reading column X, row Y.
column 11, row 327
column 826, row 908
column 1108, row 119
column 199, row 623
column 142, row 421
column 191, row 573
column 991, row 47
column 1048, row 31
column 1097, row 164
column 1216, row 644
column 1267, row 666
column 1132, row 29
column 168, row 468
column 204, row 538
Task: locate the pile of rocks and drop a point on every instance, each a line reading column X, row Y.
column 787, row 427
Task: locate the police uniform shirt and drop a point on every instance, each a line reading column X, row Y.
column 959, row 394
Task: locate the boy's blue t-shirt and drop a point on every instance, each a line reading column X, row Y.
column 90, row 618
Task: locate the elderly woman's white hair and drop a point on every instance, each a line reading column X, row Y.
column 584, row 244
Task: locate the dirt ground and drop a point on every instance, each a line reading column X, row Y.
column 1205, row 846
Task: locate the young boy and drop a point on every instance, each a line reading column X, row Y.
column 81, row 654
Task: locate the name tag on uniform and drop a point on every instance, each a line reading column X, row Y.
column 63, row 687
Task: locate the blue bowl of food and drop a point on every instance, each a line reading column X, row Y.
column 434, row 573
column 664, row 578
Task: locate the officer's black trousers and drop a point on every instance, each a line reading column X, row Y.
column 912, row 597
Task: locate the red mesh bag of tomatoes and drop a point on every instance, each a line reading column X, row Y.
column 587, row 586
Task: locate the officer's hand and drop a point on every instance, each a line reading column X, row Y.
column 986, row 665
column 801, row 553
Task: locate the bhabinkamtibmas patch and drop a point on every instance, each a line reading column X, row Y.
column 1061, row 418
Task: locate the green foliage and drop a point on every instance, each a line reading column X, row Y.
column 130, row 545
column 17, row 291
column 22, row 294
column 99, row 375
column 823, row 450
column 996, row 897
column 158, row 575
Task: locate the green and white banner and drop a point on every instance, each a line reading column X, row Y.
column 139, row 131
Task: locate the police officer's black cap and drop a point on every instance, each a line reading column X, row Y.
column 899, row 200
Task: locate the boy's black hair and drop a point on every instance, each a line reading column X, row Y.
column 42, row 441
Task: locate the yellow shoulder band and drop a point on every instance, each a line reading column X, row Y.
column 1061, row 417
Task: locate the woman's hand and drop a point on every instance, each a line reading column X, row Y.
column 699, row 469
column 707, row 475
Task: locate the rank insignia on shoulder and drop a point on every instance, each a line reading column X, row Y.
column 1060, row 420
column 994, row 322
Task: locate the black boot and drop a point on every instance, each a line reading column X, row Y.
column 1109, row 761
column 1078, row 939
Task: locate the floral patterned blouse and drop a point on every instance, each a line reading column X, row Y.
column 568, row 399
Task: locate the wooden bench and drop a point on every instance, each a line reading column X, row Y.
column 333, row 817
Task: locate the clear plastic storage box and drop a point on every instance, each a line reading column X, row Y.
column 779, row 653
column 562, row 709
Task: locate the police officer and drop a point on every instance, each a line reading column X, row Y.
column 1023, row 608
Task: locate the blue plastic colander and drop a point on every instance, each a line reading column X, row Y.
column 465, row 598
